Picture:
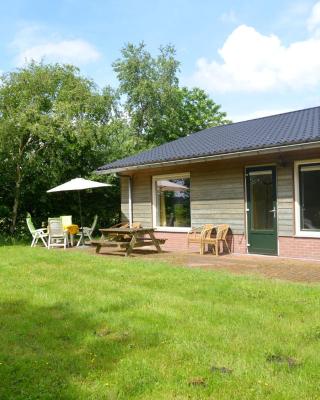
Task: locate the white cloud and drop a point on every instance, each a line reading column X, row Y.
column 66, row 51
column 252, row 61
column 31, row 43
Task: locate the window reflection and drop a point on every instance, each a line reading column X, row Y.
column 173, row 202
column 262, row 200
column 309, row 179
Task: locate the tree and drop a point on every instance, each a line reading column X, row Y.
column 56, row 125
column 53, row 124
column 197, row 111
column 159, row 110
column 149, row 86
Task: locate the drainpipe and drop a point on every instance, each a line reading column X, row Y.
column 130, row 200
column 129, row 196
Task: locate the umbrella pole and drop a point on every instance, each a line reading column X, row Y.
column 81, row 222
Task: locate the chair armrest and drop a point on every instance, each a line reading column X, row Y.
column 84, row 230
column 193, row 232
column 42, row 230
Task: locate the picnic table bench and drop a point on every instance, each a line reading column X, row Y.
column 128, row 239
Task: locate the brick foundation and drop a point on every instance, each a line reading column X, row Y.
column 178, row 242
column 298, row 247
column 293, row 247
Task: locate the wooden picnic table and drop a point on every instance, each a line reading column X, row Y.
column 127, row 238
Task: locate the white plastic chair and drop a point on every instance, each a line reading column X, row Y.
column 87, row 231
column 58, row 237
column 37, row 233
column 66, row 220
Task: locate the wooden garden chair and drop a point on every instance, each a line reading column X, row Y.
column 198, row 235
column 136, row 225
column 221, row 236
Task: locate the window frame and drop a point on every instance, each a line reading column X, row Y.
column 298, row 231
column 154, row 203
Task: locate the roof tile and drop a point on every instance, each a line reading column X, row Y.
column 294, row 127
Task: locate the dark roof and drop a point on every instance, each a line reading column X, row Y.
column 294, row 127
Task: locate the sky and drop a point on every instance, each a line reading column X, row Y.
column 255, row 58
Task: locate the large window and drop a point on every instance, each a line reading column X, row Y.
column 308, row 199
column 172, row 201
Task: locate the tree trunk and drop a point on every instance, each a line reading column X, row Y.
column 16, row 199
column 16, row 202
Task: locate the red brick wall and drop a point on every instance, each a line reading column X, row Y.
column 288, row 246
column 298, row 247
column 178, row 242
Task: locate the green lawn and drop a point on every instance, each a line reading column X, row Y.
column 75, row 326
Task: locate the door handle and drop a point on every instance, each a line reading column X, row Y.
column 273, row 211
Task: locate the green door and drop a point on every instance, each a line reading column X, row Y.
column 262, row 210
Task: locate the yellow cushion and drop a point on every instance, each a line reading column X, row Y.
column 72, row 229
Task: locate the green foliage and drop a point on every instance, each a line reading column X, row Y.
column 76, row 326
column 198, row 111
column 150, row 87
column 159, row 110
column 56, row 125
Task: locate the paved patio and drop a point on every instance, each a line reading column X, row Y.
column 307, row 271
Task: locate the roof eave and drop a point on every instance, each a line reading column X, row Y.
column 267, row 150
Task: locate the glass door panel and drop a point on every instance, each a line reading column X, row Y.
column 261, row 187
column 262, row 210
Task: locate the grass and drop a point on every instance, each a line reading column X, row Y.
column 75, row 326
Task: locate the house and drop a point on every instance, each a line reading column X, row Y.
column 262, row 177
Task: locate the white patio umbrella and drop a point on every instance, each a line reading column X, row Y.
column 78, row 184
column 167, row 186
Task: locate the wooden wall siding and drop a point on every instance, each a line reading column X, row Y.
column 285, row 193
column 217, row 190
column 142, row 200
column 217, row 196
column 124, row 187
